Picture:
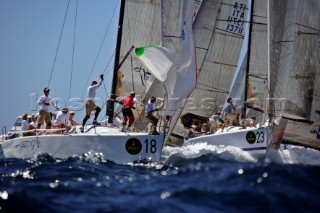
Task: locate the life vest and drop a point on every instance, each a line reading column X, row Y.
column 128, row 102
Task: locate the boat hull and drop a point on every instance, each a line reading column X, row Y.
column 121, row 148
column 251, row 140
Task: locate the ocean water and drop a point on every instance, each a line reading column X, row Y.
column 197, row 178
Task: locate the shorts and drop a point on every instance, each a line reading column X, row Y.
column 230, row 116
column 44, row 116
column 90, row 106
column 152, row 119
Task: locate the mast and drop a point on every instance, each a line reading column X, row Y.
column 268, row 104
column 110, row 108
column 244, row 110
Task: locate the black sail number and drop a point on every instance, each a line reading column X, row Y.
column 151, row 146
column 260, row 137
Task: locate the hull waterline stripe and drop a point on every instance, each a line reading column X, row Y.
column 252, row 149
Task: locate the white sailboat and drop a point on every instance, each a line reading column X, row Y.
column 221, row 48
column 253, row 140
column 108, row 141
column 290, row 73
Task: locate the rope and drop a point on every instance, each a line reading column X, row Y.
column 96, row 59
column 55, row 58
column 114, row 52
column 74, row 41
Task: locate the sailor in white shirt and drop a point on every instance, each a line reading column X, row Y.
column 33, row 121
column 62, row 118
column 90, row 105
column 44, row 113
column 25, row 123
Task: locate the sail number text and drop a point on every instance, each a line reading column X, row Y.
column 260, row 137
column 151, row 146
column 236, row 19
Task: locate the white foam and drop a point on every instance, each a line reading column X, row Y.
column 295, row 155
column 191, row 151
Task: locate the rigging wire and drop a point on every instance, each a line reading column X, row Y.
column 98, row 54
column 73, row 47
column 55, row 58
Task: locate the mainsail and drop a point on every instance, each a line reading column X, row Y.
column 250, row 84
column 294, row 32
column 315, row 110
column 139, row 25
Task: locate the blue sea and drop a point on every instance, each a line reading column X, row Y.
column 196, row 178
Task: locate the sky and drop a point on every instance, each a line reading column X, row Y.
column 29, row 38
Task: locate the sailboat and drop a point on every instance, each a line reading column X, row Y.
column 220, row 42
column 106, row 141
column 253, row 140
column 277, row 70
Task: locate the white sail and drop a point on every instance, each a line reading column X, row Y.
column 238, row 86
column 315, row 111
column 293, row 54
column 181, row 81
column 141, row 27
column 294, row 31
column 158, row 60
column 177, row 57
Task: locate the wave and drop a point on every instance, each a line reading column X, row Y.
column 202, row 152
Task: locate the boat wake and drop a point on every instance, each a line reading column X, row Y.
column 202, row 152
column 294, row 155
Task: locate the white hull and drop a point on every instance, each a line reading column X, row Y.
column 116, row 146
column 251, row 140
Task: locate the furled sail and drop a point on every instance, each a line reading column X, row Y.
column 219, row 33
